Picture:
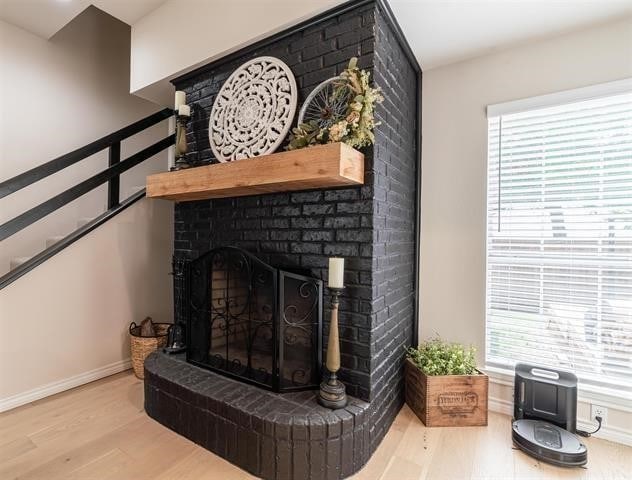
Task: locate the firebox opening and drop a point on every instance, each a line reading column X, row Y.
column 254, row 322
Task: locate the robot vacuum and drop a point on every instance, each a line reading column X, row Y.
column 549, row 443
column 545, row 416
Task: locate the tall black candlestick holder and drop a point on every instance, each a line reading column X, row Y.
column 332, row 393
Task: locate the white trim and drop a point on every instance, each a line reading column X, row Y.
column 49, row 389
column 560, row 98
column 500, row 405
column 607, row 432
column 500, row 376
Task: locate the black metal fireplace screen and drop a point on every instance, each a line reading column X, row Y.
column 254, row 322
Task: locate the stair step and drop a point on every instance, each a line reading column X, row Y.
column 16, row 262
column 136, row 188
column 131, row 191
column 83, row 221
column 50, row 241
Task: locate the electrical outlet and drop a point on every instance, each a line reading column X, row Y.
column 599, row 411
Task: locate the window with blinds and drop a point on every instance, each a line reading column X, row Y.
column 559, row 236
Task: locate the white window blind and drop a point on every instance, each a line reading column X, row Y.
column 559, row 238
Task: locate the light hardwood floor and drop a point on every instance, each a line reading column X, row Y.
column 100, row 431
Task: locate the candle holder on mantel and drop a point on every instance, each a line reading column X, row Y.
column 181, row 143
column 332, row 393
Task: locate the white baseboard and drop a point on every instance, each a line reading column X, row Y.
column 607, row 432
column 500, row 405
column 49, row 389
column 610, row 433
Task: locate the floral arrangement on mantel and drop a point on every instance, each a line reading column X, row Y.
column 356, row 127
column 437, row 357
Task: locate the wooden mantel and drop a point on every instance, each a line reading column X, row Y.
column 322, row 166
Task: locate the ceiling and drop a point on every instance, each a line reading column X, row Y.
column 440, row 32
column 46, row 17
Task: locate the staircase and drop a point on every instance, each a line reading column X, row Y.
column 82, row 222
column 111, row 175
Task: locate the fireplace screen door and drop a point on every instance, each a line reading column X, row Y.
column 253, row 322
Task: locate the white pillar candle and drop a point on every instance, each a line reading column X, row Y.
column 336, row 272
column 184, row 110
column 180, row 99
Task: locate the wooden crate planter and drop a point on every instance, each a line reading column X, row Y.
column 447, row 401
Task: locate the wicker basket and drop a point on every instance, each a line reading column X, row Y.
column 143, row 346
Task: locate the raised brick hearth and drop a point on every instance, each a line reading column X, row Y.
column 269, row 434
column 373, row 226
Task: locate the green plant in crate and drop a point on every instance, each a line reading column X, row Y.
column 436, row 357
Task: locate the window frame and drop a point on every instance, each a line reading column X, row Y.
column 590, row 393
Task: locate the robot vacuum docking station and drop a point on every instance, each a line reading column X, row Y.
column 545, row 416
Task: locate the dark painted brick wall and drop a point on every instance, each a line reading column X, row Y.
column 371, row 226
column 394, row 213
column 298, row 230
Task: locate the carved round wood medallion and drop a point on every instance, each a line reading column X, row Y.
column 253, row 111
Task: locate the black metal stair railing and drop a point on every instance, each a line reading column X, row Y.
column 111, row 175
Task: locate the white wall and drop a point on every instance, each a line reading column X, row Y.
column 454, row 166
column 202, row 31
column 59, row 95
column 66, row 322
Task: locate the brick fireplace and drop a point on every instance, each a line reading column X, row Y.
column 373, row 226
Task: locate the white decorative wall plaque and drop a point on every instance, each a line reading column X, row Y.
column 253, row 111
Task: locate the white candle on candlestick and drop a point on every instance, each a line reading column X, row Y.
column 336, row 272
column 184, row 110
column 180, row 99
